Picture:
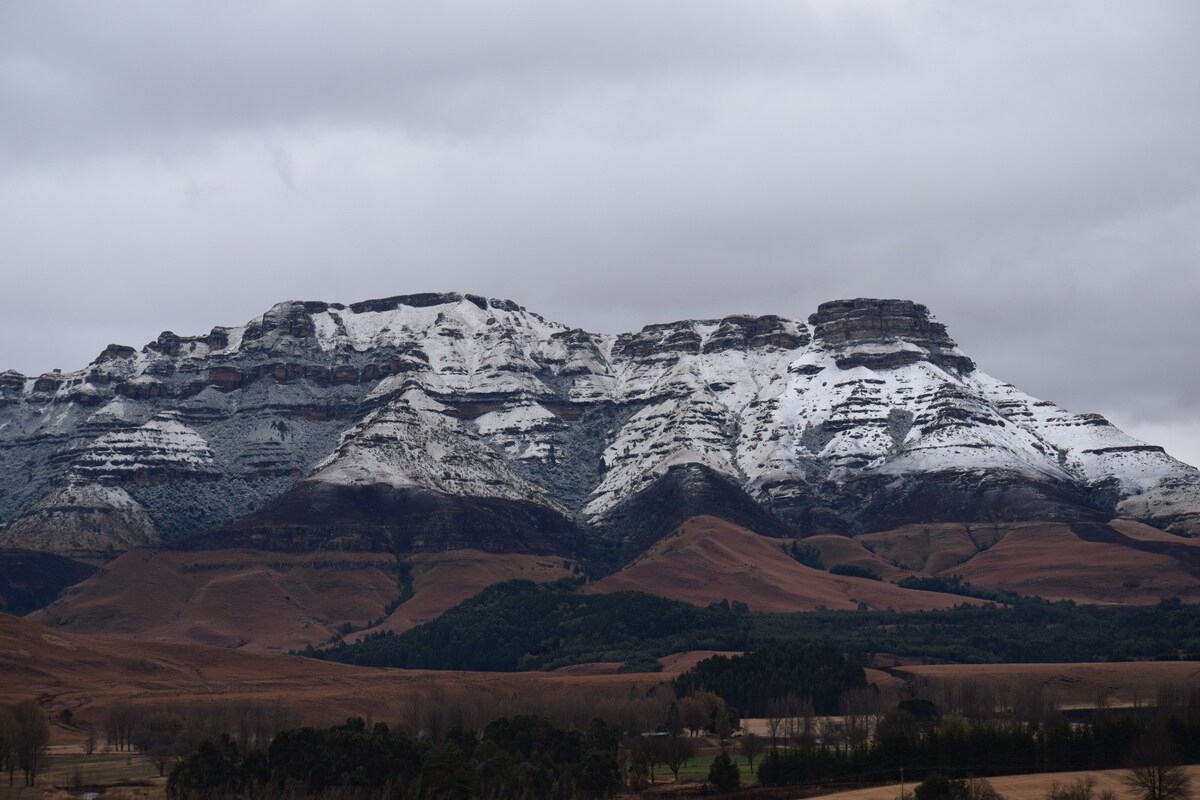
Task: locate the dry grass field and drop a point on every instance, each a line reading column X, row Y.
column 69, row 773
column 1022, row 787
column 90, row 674
column 1067, row 685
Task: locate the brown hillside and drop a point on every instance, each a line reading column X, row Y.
column 842, row 550
column 443, row 580
column 708, row 560
column 231, row 598
column 937, row 547
column 275, row 601
column 1089, row 563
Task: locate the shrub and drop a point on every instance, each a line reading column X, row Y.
column 855, row 571
column 724, row 774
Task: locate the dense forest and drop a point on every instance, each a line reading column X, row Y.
column 523, row 756
column 521, row 625
column 751, row 682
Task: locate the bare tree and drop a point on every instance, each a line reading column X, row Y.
column 979, row 789
column 160, row 735
column 801, row 721
column 750, row 746
column 677, row 751
column 776, row 713
column 654, row 746
column 34, row 737
column 1155, row 772
column 1079, row 789
column 1171, row 696
column 10, row 733
column 118, row 725
column 860, row 709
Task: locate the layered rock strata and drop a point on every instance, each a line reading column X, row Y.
column 440, row 420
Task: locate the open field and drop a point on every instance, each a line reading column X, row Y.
column 69, row 771
column 697, row 768
column 1068, row 685
column 1021, row 787
column 90, row 674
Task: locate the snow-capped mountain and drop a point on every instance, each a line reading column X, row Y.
column 453, row 419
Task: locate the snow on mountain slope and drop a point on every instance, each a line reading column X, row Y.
column 413, row 442
column 867, row 405
column 91, row 520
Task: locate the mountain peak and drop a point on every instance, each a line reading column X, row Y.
column 848, row 325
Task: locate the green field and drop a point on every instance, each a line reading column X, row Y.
column 697, row 769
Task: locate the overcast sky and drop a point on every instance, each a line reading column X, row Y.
column 1029, row 170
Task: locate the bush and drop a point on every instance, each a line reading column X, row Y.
column 937, row 787
column 807, row 554
column 724, row 774
column 854, row 571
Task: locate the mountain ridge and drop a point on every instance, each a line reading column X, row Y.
column 864, row 417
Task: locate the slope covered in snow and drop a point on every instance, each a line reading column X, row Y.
column 865, row 415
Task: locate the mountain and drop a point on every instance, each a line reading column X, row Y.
column 865, row 417
column 438, row 423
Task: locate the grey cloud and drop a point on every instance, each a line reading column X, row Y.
column 163, row 76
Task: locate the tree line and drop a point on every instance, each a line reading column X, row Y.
column 521, row 625
column 522, row 756
column 753, row 681
column 24, row 737
column 919, row 739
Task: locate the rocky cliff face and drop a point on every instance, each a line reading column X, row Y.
column 418, row 417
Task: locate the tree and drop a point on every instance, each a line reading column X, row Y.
column 161, row 737
column 640, row 771
column 10, row 733
column 978, row 789
column 447, row 775
column 599, row 775
column 750, row 746
column 34, row 737
column 1079, row 789
column 118, row 725
column 1155, row 772
column 724, row 774
column 937, row 787
column 776, row 714
column 694, row 711
column 674, row 722
column 676, row 752
column 214, row 770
